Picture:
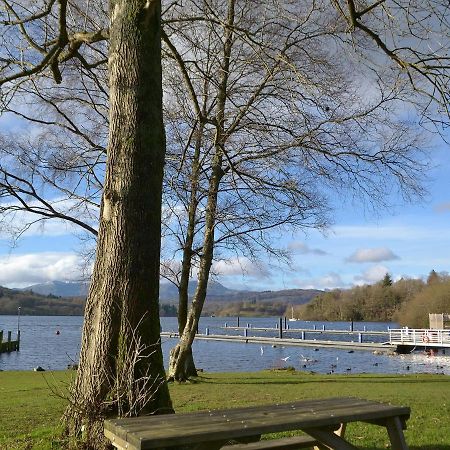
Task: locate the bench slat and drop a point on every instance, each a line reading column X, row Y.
column 289, row 443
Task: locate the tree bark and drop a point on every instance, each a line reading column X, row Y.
column 124, row 291
column 180, row 353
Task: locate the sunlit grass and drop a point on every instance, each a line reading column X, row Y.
column 30, row 411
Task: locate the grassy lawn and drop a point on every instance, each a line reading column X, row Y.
column 30, row 411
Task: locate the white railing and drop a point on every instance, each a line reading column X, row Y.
column 420, row 337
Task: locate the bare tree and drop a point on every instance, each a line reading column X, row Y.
column 123, row 295
column 273, row 116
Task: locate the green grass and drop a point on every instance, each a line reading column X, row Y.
column 30, row 412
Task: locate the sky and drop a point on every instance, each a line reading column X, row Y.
column 406, row 240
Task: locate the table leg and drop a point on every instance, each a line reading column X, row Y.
column 330, row 439
column 340, row 432
column 395, row 431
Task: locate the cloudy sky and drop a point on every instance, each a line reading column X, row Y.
column 405, row 240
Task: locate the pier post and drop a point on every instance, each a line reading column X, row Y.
column 315, row 327
column 360, row 338
column 18, row 340
column 285, row 323
column 9, row 346
column 245, row 332
column 238, row 321
column 364, row 328
column 207, row 331
column 281, row 328
column 303, row 335
column 226, row 324
column 351, row 325
column 248, row 325
column 323, row 327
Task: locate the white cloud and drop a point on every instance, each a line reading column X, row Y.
column 302, row 249
column 330, row 280
column 24, row 270
column 372, row 255
column 241, row 266
column 372, row 275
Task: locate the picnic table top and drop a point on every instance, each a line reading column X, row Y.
column 157, row 431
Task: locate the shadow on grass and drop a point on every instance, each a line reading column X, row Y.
column 415, row 447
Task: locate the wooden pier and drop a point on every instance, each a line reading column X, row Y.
column 372, row 346
column 8, row 345
column 316, row 330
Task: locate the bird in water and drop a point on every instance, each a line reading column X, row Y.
column 285, row 359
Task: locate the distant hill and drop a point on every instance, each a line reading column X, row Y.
column 39, row 305
column 60, row 288
column 169, row 293
column 68, row 298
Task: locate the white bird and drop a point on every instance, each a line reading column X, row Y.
column 285, row 359
column 262, row 351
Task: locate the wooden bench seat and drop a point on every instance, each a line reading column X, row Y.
column 322, row 420
column 289, row 443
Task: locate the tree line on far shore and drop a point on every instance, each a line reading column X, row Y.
column 406, row 301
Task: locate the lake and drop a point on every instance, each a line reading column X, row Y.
column 41, row 346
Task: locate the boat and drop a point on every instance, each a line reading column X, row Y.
column 292, row 318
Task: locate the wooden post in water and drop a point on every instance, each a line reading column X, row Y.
column 285, row 323
column 18, row 340
column 280, row 328
column 238, row 321
column 9, row 346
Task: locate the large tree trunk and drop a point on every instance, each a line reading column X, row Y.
column 122, row 305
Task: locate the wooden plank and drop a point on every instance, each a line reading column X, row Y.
column 171, row 430
column 289, row 443
column 336, row 406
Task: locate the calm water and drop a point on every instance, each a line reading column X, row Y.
column 41, row 346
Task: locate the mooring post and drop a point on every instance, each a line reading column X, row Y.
column 351, row 325
column 281, row 328
column 323, row 327
column 315, row 327
column 238, row 321
column 285, row 323
column 245, row 332
column 18, row 340
column 226, row 325
column 303, row 335
column 360, row 337
column 8, row 348
column 207, row 331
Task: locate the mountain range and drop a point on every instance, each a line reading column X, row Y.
column 169, row 293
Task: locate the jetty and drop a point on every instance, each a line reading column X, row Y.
column 276, row 341
column 410, row 339
column 9, row 345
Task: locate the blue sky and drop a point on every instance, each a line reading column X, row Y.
column 407, row 240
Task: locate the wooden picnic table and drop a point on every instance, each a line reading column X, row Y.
column 214, row 429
